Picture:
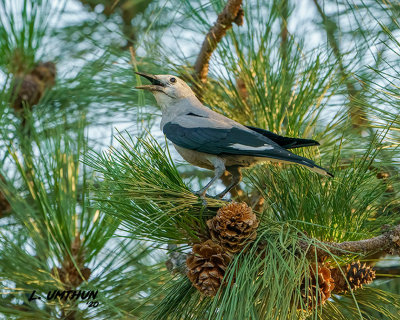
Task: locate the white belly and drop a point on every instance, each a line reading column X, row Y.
column 199, row 159
column 205, row 160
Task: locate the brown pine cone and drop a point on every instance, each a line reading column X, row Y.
column 5, row 206
column 26, row 90
column 45, row 72
column 356, row 274
column 239, row 17
column 234, row 226
column 383, row 175
column 241, row 88
column 322, row 292
column 206, row 267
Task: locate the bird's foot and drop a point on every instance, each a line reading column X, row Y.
column 203, row 196
column 218, row 197
column 199, row 193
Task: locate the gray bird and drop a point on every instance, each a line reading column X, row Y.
column 210, row 140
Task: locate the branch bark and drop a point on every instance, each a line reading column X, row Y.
column 232, row 13
column 284, row 13
column 388, row 242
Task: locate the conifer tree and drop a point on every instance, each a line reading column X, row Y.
column 97, row 215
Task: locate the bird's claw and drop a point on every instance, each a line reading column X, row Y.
column 204, row 195
column 199, row 193
column 218, row 197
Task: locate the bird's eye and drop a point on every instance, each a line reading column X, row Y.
column 173, row 80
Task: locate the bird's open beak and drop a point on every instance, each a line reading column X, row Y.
column 156, row 85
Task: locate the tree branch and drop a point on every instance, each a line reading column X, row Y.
column 388, row 241
column 177, row 260
column 232, row 13
column 387, row 272
column 284, row 13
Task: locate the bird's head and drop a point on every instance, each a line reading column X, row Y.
column 167, row 89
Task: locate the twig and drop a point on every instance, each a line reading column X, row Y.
column 284, row 30
column 387, row 272
column 177, row 260
column 388, row 241
column 127, row 13
column 232, row 13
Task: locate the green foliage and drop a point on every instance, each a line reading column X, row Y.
column 51, row 211
column 143, row 189
column 371, row 304
column 109, row 94
column 268, row 287
column 287, row 97
column 23, row 28
column 128, row 201
column 347, row 207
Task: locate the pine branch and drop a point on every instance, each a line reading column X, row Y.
column 284, row 12
column 177, row 260
column 387, row 272
column 232, row 13
column 128, row 10
column 388, row 241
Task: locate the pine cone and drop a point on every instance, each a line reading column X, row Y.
column 206, row 267
column 5, row 206
column 45, row 72
column 27, row 90
column 234, row 226
column 239, row 17
column 356, row 274
column 325, row 286
column 241, row 88
column 383, row 175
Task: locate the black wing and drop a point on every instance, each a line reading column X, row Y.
column 285, row 142
column 233, row 141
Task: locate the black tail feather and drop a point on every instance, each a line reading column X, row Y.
column 285, row 142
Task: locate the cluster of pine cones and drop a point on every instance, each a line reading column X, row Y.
column 324, row 281
column 231, row 230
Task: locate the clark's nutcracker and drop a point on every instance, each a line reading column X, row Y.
column 210, row 140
